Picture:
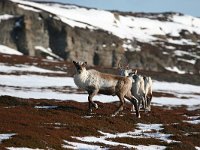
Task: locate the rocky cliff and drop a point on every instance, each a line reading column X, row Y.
column 30, row 31
column 146, row 41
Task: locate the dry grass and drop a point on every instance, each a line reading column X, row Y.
column 42, row 128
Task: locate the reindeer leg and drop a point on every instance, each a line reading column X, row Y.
column 134, row 101
column 91, row 103
column 132, row 108
column 120, row 108
column 149, row 98
column 139, row 103
column 144, row 98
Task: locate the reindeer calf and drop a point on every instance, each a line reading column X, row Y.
column 95, row 82
column 141, row 88
column 137, row 85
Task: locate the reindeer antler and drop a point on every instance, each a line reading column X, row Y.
column 127, row 66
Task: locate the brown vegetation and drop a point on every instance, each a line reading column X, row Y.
column 42, row 128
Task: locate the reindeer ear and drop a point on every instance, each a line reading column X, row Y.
column 85, row 64
column 135, row 71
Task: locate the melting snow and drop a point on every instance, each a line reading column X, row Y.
column 76, row 145
column 188, row 61
column 25, row 68
column 7, row 50
column 175, row 69
column 193, row 119
column 38, row 86
column 35, row 81
column 142, row 131
column 197, row 148
column 182, row 53
column 28, row 8
column 6, row 136
column 175, row 87
column 5, row 17
column 22, row 148
column 48, row 51
column 181, row 42
column 45, row 107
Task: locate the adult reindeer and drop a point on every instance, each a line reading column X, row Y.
column 95, row 82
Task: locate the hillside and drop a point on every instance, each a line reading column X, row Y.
column 150, row 41
column 42, row 108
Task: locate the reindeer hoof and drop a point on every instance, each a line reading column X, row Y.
column 132, row 109
column 96, row 106
column 90, row 111
column 113, row 115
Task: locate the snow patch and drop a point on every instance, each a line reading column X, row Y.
column 182, row 53
column 25, row 68
column 170, row 47
column 6, row 136
column 22, row 148
column 181, row 42
column 32, row 81
column 187, row 61
column 5, row 17
column 7, row 50
column 175, row 69
column 46, row 107
column 28, row 8
column 76, row 145
column 142, row 131
column 186, row 20
column 193, row 119
column 48, row 51
column 197, row 148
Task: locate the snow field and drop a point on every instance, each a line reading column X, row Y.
column 39, row 86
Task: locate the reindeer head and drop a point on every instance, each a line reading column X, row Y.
column 124, row 71
column 80, row 66
column 133, row 74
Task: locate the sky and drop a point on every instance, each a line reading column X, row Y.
column 190, row 7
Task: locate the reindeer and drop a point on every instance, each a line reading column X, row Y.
column 148, row 91
column 141, row 88
column 137, row 89
column 95, row 82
